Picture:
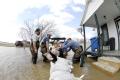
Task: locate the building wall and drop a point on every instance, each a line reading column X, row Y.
column 113, row 32
column 92, row 6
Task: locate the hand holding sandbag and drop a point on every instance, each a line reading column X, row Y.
column 48, row 56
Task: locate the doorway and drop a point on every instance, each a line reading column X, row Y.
column 119, row 34
column 117, row 22
column 105, row 34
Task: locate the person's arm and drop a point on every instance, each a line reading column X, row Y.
column 47, row 46
column 65, row 47
column 34, row 44
column 68, row 49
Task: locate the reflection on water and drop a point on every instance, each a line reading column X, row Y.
column 15, row 64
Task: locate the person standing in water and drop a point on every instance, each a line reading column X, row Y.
column 45, row 47
column 35, row 45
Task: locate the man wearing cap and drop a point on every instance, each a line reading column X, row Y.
column 35, row 45
column 45, row 47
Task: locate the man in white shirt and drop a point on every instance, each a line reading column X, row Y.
column 35, row 45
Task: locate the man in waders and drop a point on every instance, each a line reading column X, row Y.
column 76, row 48
column 35, row 45
column 45, row 47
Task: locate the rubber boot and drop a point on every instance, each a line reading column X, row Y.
column 34, row 58
column 44, row 58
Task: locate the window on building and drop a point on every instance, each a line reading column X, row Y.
column 105, row 34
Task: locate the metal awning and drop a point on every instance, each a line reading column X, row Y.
column 106, row 12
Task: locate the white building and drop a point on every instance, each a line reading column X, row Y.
column 105, row 16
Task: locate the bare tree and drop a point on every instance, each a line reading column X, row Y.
column 23, row 34
column 27, row 32
column 46, row 27
column 29, row 28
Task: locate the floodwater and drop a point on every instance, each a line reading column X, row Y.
column 15, row 64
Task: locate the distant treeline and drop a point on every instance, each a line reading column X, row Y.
column 7, row 44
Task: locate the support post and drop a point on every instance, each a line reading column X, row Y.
column 99, row 38
column 84, row 37
column 83, row 54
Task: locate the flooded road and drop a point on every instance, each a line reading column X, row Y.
column 15, row 64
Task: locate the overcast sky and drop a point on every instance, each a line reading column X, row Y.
column 67, row 15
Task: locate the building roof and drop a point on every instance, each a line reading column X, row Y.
column 106, row 12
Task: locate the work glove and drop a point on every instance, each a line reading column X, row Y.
column 45, row 54
column 48, row 56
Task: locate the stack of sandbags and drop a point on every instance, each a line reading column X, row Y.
column 70, row 55
column 61, row 70
column 109, row 64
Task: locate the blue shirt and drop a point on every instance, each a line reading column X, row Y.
column 46, row 39
column 65, row 43
column 71, row 45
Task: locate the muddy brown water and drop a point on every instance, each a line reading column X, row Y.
column 15, row 64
